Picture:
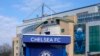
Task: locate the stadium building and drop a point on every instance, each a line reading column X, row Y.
column 81, row 23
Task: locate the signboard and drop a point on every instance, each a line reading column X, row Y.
column 46, row 39
column 79, row 31
column 46, row 50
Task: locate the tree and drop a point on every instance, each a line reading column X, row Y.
column 5, row 50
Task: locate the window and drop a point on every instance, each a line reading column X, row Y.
column 47, row 33
column 17, row 41
column 52, row 21
column 96, row 18
column 57, row 21
column 62, row 30
column 82, row 13
column 99, row 8
column 45, row 22
column 81, row 20
column 94, row 38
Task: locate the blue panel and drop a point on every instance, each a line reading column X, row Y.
column 46, row 39
column 79, row 31
column 52, row 50
column 27, row 51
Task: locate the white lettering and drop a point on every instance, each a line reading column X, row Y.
column 41, row 39
column 57, row 40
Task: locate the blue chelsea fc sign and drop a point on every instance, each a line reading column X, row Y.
column 60, row 39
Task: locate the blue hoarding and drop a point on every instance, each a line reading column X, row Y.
column 46, row 39
column 79, row 44
column 46, row 50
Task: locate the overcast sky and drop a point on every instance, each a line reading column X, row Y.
column 12, row 12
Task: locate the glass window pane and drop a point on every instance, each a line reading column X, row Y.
column 94, row 39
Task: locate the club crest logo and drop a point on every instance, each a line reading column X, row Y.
column 45, row 53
